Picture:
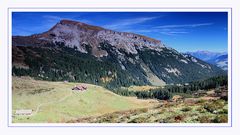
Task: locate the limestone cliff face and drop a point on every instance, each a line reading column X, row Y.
column 77, row 34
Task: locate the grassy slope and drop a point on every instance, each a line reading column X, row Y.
column 168, row 113
column 142, row 88
column 56, row 102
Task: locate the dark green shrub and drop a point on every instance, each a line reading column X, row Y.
column 138, row 120
column 214, row 106
column 223, row 118
column 186, row 109
column 201, row 110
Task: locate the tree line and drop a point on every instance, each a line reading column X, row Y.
column 168, row 91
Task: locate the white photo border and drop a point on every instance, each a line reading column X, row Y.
column 118, row 9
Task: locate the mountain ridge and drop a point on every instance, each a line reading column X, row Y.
column 80, row 52
column 219, row 59
column 73, row 34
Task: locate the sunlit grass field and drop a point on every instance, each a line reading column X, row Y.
column 56, row 102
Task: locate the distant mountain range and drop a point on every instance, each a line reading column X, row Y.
column 219, row 59
column 77, row 51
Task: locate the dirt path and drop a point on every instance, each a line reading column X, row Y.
column 42, row 104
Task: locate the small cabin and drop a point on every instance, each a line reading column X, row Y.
column 80, row 88
column 23, row 112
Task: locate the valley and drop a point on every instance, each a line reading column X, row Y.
column 80, row 73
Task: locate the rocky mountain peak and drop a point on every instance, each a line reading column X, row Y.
column 80, row 25
column 78, row 34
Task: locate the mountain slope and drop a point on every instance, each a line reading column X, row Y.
column 219, row 59
column 76, row 51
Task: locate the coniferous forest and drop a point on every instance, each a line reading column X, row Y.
column 55, row 62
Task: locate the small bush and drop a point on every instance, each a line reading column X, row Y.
column 161, row 121
column 201, row 101
column 143, row 110
column 201, row 110
column 109, row 118
column 204, row 119
column 159, row 112
column 223, row 118
column 138, row 120
column 179, row 118
column 223, row 111
column 186, row 109
column 224, row 98
column 214, row 106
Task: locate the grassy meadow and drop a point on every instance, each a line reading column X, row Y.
column 56, row 102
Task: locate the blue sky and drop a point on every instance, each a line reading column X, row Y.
column 183, row 31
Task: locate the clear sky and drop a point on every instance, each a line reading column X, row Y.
column 183, row 31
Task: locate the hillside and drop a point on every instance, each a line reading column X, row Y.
column 189, row 111
column 56, row 102
column 79, row 52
